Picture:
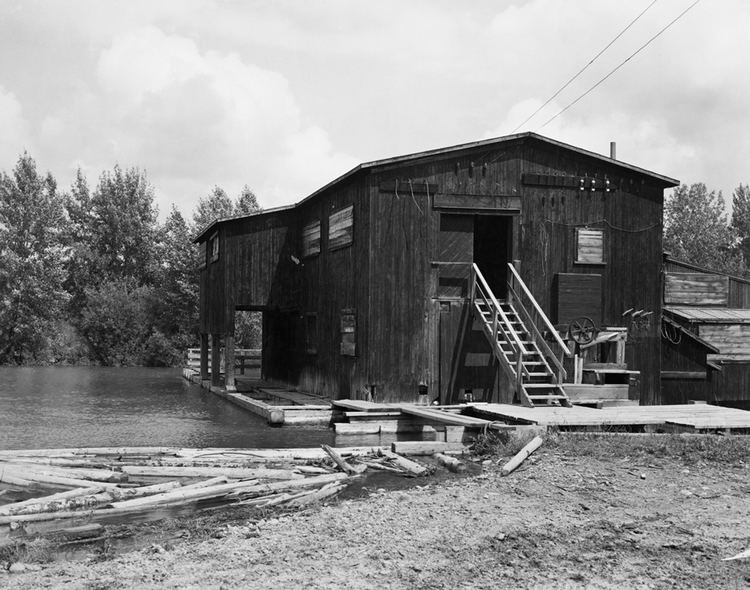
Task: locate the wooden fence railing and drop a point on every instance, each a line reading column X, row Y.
column 244, row 358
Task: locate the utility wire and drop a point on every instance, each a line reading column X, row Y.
column 631, row 56
column 584, row 68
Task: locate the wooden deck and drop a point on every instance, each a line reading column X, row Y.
column 695, row 416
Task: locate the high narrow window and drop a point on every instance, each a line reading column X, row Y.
column 202, row 255
column 589, row 246
column 311, row 239
column 214, row 247
column 341, row 228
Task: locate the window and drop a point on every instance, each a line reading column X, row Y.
column 311, row 239
column 202, row 255
column 589, row 246
column 341, row 228
column 214, row 247
column 348, row 332
column 311, row 333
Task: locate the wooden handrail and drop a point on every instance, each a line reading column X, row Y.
column 484, row 288
column 547, row 324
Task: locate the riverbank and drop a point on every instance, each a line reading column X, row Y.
column 584, row 511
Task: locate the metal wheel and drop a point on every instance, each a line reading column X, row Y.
column 582, row 330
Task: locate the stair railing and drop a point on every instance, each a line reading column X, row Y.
column 537, row 321
column 500, row 323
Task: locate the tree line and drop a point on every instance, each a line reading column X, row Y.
column 91, row 276
column 698, row 229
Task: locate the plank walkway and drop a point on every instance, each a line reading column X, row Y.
column 697, row 416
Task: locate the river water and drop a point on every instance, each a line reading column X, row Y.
column 52, row 407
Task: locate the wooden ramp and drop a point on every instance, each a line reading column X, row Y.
column 695, row 416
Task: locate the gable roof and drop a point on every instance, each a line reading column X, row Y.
column 416, row 156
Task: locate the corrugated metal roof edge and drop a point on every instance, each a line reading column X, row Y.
column 669, row 182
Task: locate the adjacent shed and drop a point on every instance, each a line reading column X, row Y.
column 405, row 275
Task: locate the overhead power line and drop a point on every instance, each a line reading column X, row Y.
column 584, row 68
column 631, row 56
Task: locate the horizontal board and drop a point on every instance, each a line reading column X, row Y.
column 590, row 246
column 408, row 187
column 695, row 288
column 311, row 239
column 341, row 228
column 509, row 203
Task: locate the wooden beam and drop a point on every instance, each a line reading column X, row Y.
column 215, row 360
column 684, row 375
column 204, row 357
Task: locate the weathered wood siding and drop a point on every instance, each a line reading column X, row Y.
column 731, row 339
column 334, row 287
column 694, row 288
column 739, row 288
column 577, row 295
column 630, row 215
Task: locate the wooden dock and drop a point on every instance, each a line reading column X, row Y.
column 359, row 417
column 698, row 417
column 276, row 404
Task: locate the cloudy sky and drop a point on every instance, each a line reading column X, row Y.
column 286, row 95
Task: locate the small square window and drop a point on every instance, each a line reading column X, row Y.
column 589, row 246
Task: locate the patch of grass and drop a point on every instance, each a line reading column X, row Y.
column 31, row 551
column 690, row 449
column 501, row 442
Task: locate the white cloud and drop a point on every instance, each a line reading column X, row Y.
column 14, row 128
column 210, row 118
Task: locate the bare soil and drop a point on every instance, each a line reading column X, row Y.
column 618, row 511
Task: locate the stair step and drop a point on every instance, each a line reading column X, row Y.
column 541, row 397
column 540, row 385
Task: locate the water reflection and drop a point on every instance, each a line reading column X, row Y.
column 98, row 406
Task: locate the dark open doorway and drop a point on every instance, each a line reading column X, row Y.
column 493, row 250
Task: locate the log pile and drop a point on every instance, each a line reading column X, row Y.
column 53, row 490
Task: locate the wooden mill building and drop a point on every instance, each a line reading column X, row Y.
column 451, row 272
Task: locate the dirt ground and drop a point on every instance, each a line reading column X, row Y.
column 618, row 511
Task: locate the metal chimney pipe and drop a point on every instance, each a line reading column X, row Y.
column 613, row 150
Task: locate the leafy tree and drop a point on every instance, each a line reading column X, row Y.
column 215, row 205
column 115, row 321
column 696, row 229
column 176, row 305
column 31, row 252
column 247, row 202
column 741, row 220
column 123, row 224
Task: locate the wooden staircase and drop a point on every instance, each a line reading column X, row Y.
column 519, row 345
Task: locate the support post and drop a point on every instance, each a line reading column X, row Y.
column 229, row 363
column 215, row 360
column 204, row 357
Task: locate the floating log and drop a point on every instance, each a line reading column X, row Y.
column 81, row 500
column 339, row 461
column 450, row 463
column 427, row 447
column 312, row 496
column 25, row 469
column 59, row 497
column 45, row 479
column 198, row 471
column 520, row 457
column 407, row 465
column 250, row 486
